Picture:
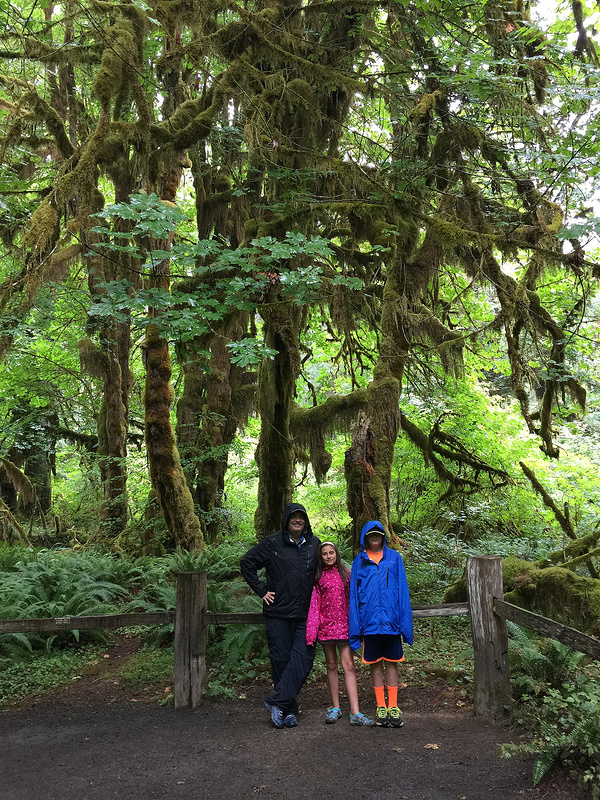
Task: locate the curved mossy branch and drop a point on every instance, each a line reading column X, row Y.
column 564, row 520
column 557, row 371
column 43, row 112
column 584, row 559
column 574, row 553
column 438, row 445
column 309, row 427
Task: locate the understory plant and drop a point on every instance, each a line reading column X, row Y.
column 558, row 704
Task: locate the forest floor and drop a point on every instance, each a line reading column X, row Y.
column 95, row 739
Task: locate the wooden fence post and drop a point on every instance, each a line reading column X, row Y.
column 190, row 638
column 490, row 637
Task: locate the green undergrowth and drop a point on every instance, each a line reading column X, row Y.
column 34, row 675
column 557, row 704
column 151, row 666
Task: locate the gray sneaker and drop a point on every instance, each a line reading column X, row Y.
column 361, row 719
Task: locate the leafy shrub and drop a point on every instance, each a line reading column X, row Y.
column 559, row 705
column 432, row 562
column 220, row 561
column 538, row 665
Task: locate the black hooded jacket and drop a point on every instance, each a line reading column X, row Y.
column 290, row 570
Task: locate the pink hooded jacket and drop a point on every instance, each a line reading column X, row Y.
column 328, row 612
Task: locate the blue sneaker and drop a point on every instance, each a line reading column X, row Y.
column 290, row 721
column 361, row 719
column 276, row 714
column 332, row 715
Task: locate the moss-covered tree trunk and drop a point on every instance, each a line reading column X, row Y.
column 368, row 463
column 216, row 398
column 166, row 472
column 276, row 386
column 114, row 508
column 110, row 360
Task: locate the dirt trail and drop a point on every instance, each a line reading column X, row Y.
column 95, row 740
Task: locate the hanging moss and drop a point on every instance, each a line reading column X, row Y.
column 93, row 359
column 43, row 227
column 309, row 427
column 426, row 104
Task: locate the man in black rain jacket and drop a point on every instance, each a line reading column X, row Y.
column 290, row 559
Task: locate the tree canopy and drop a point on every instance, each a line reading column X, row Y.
column 344, row 218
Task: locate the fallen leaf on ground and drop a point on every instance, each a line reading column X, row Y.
column 432, row 747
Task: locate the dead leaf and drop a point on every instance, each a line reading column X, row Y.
column 432, row 747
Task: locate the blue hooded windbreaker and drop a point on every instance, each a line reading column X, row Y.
column 379, row 599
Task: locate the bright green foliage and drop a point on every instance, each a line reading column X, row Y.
column 559, row 704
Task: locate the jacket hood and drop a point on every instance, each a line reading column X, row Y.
column 373, row 525
column 287, row 513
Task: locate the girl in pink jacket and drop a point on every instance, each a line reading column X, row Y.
column 328, row 623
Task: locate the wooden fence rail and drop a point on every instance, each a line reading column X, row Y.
column 486, row 607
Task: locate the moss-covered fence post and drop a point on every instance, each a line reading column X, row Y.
column 190, row 639
column 492, row 696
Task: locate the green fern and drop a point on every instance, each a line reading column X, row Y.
column 539, row 664
column 544, row 764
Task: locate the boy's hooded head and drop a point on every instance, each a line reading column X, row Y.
column 369, row 528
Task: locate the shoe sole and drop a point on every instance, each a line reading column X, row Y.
column 399, row 724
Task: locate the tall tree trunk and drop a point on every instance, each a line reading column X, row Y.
column 166, row 472
column 369, row 461
column 276, row 386
column 111, row 362
column 216, row 400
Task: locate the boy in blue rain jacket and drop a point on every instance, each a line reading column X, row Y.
column 380, row 617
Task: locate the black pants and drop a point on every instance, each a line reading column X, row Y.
column 291, row 660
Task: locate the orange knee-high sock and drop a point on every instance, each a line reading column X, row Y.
column 380, row 696
column 392, row 696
